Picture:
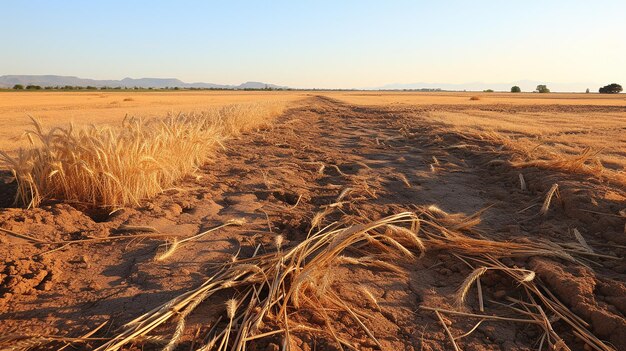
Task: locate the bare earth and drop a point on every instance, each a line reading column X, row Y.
column 394, row 152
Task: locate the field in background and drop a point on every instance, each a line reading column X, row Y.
column 561, row 124
column 452, row 98
column 59, row 108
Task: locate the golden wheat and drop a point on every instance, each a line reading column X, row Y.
column 118, row 166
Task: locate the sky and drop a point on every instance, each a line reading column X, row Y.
column 318, row 44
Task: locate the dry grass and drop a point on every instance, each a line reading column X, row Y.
column 117, row 166
column 548, row 199
column 540, row 308
column 411, row 98
column 586, row 143
column 271, row 289
column 567, row 132
column 273, row 286
column 55, row 109
column 588, row 161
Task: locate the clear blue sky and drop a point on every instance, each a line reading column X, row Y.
column 318, row 43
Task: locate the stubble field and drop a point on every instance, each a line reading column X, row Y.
column 341, row 220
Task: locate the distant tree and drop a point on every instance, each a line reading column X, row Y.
column 516, row 89
column 48, row 88
column 488, row 91
column 33, row 87
column 89, row 87
column 18, row 87
column 587, row 91
column 611, row 89
column 542, row 89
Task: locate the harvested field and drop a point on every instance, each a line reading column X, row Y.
column 382, row 98
column 355, row 221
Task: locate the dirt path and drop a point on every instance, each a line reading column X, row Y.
column 373, row 161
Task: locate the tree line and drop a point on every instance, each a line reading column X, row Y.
column 613, row 88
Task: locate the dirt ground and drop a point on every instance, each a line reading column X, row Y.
column 395, row 157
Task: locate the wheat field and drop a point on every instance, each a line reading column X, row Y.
column 113, row 166
column 55, row 109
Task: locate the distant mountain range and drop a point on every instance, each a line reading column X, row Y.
column 525, row 85
column 9, row 81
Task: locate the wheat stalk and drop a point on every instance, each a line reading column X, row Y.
column 546, row 203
